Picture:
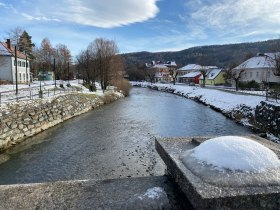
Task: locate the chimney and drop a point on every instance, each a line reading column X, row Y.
column 8, row 44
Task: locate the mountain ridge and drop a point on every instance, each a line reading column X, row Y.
column 219, row 55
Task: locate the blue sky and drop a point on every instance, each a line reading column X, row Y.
column 143, row 25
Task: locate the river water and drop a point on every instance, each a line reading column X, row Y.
column 116, row 140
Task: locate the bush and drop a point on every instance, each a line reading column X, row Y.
column 4, row 82
column 68, row 85
column 121, row 85
column 249, row 85
column 61, row 86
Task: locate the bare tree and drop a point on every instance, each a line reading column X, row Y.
column 14, row 35
column 173, row 73
column 150, row 73
column 63, row 57
column 103, row 51
column 235, row 74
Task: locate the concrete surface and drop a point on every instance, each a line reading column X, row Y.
column 130, row 193
column 207, row 195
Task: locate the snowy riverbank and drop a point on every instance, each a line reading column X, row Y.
column 242, row 108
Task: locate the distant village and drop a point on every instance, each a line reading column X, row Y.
column 261, row 70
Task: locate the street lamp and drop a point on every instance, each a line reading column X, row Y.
column 26, row 73
column 68, row 73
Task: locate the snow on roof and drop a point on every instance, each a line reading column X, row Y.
column 170, row 63
column 212, row 74
column 260, row 61
column 4, row 50
column 191, row 74
column 235, row 153
column 159, row 66
column 190, row 67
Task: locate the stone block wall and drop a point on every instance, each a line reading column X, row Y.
column 267, row 117
column 21, row 120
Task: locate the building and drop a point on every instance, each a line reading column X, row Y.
column 162, row 72
column 213, row 77
column 259, row 68
column 8, row 64
column 185, row 70
column 192, row 77
column 191, row 73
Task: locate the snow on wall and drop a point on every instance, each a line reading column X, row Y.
column 236, row 153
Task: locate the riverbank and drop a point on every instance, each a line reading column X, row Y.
column 252, row 111
column 23, row 119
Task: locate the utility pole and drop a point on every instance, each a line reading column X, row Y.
column 54, row 72
column 16, row 70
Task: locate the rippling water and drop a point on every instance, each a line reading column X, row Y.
column 114, row 141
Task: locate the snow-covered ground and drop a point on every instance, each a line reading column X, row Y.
column 26, row 92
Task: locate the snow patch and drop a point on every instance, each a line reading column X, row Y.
column 153, row 193
column 236, row 154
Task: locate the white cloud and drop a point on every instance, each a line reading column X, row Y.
column 39, row 18
column 104, row 14
column 247, row 17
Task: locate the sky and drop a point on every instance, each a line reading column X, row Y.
column 142, row 25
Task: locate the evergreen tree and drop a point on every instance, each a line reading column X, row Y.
column 26, row 45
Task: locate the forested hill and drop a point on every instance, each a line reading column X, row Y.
column 218, row 55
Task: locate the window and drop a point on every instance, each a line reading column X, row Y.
column 27, row 64
column 23, row 63
column 23, row 76
column 245, row 74
column 14, row 62
column 268, row 74
column 257, row 74
column 19, row 76
column 19, row 63
column 251, row 74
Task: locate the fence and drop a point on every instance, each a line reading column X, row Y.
column 34, row 93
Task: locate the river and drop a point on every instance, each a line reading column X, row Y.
column 116, row 140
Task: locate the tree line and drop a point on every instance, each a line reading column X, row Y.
column 99, row 62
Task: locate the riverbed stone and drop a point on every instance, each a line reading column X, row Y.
column 207, row 195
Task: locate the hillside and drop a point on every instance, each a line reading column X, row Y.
column 218, row 55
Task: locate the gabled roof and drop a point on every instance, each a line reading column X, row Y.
column 170, row 63
column 4, row 50
column 190, row 67
column 265, row 60
column 159, row 66
column 212, row 74
column 191, row 74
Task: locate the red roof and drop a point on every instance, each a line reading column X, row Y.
column 12, row 51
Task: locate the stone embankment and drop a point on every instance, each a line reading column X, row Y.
column 21, row 120
column 263, row 119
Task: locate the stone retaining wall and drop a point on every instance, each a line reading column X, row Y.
column 267, row 117
column 24, row 119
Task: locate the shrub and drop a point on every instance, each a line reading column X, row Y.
column 61, row 86
column 121, row 85
column 249, row 85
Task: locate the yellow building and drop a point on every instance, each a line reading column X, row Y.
column 213, row 77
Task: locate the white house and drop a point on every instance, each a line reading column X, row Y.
column 259, row 68
column 8, row 64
